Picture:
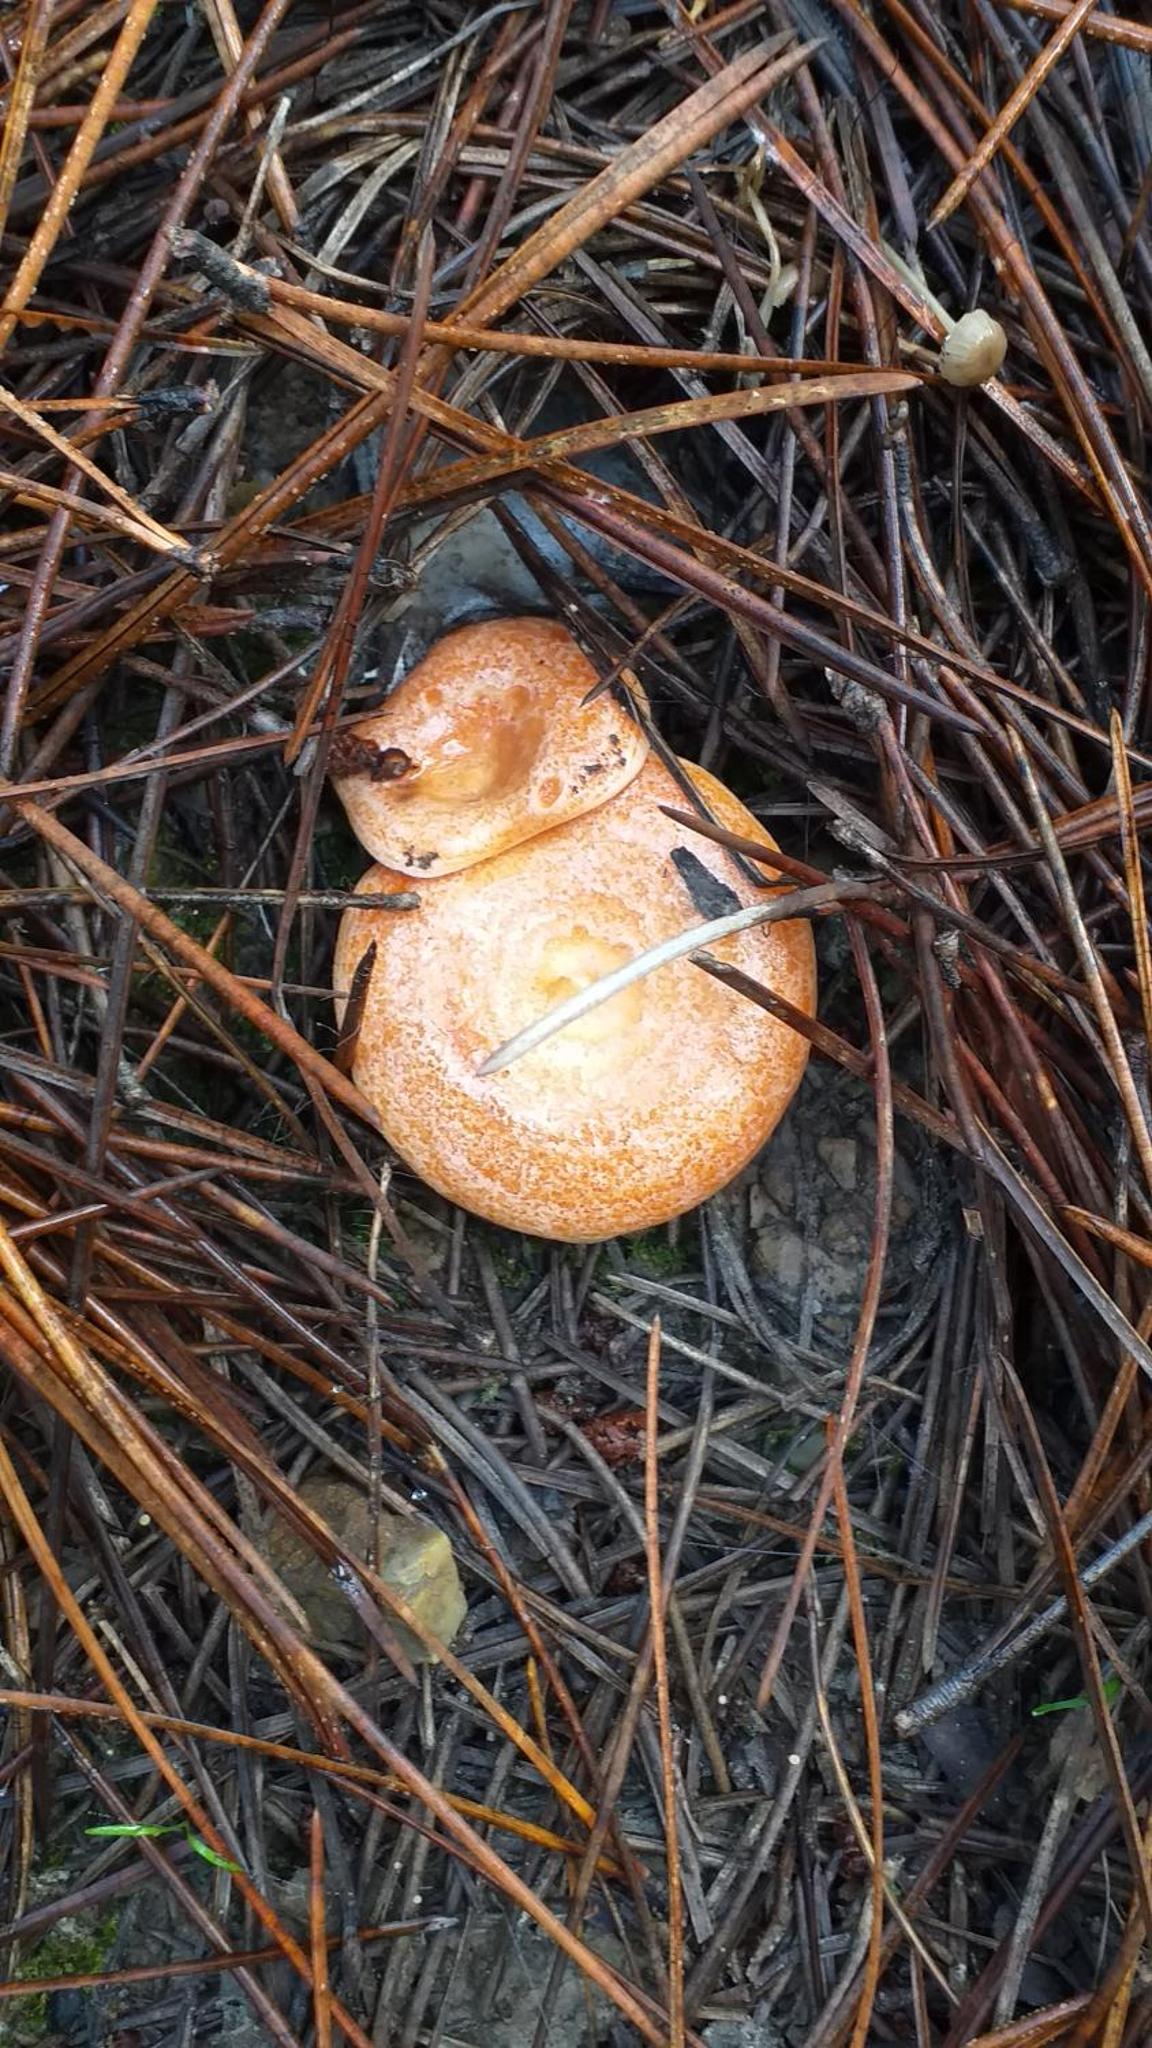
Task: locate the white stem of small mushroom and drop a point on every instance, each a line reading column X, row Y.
column 794, row 904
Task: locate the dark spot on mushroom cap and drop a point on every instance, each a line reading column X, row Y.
column 352, row 755
column 391, row 764
column 710, row 896
column 354, row 1010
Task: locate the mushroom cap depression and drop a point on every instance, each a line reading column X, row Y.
column 485, row 743
column 645, row 1106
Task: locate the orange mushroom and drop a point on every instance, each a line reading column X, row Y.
column 649, row 1103
column 487, row 742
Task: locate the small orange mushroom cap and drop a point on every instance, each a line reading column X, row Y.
column 645, row 1106
column 486, row 743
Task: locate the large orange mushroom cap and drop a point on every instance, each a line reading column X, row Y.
column 486, row 743
column 646, row 1106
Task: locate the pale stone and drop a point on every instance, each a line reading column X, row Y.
column 840, row 1157
column 781, row 1255
column 414, row 1558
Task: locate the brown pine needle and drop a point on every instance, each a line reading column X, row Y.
column 657, row 1622
column 318, row 1941
column 1060, row 40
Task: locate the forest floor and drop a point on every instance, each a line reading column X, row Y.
column 819, row 1715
